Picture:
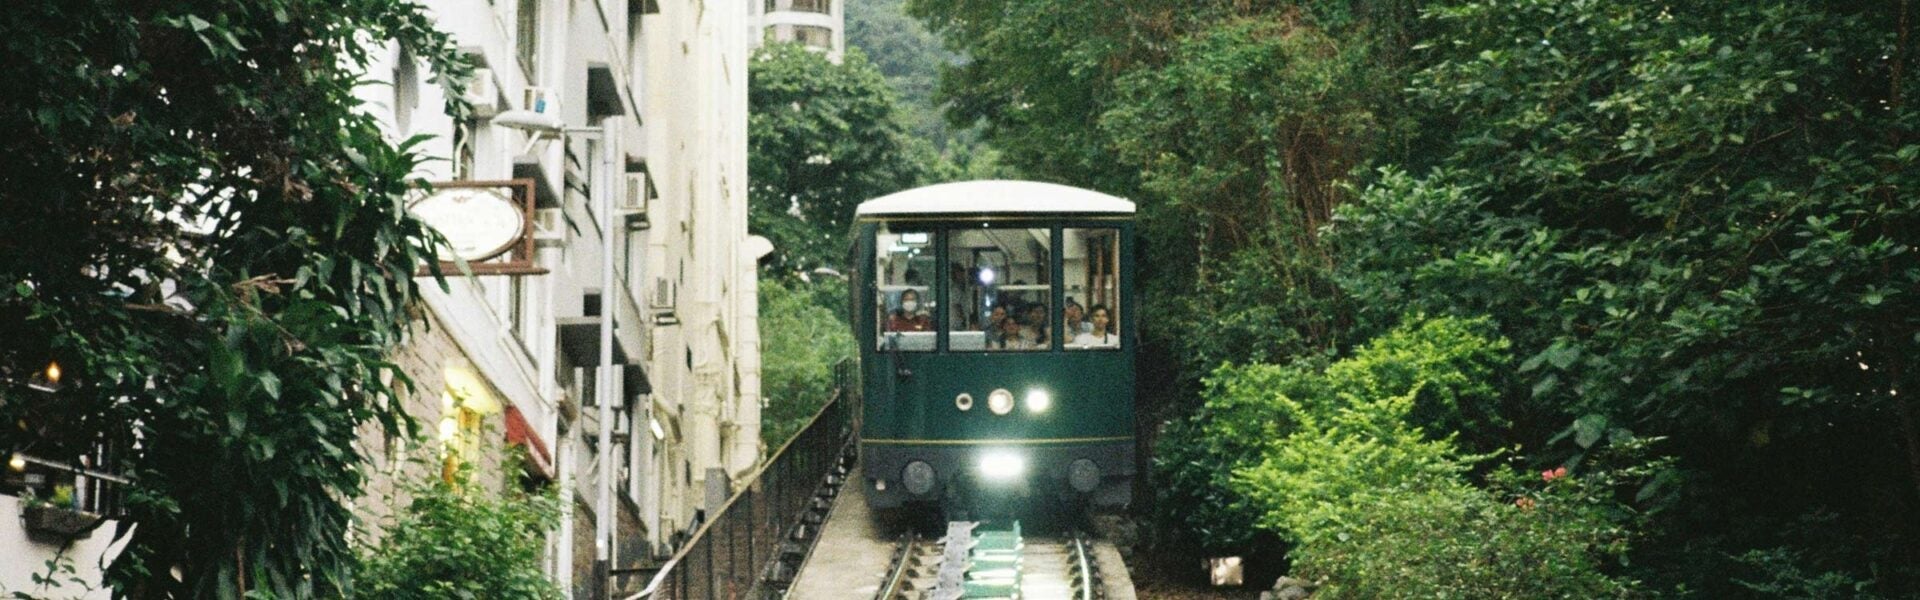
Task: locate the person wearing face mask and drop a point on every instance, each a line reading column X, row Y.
column 908, row 317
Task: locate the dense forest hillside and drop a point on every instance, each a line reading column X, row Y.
column 1502, row 299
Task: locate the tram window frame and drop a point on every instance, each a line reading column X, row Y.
column 890, row 284
column 966, row 315
column 1109, row 293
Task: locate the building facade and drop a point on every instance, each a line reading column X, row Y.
column 649, row 97
column 817, row 24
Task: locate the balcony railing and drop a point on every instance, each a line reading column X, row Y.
column 824, row 7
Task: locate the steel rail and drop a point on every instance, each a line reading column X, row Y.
column 897, row 572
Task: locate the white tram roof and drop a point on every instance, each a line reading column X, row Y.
column 997, row 196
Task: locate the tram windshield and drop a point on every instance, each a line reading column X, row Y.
column 904, row 262
column 1001, row 289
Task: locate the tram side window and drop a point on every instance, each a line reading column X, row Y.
column 904, row 300
column 1000, row 287
column 1091, row 263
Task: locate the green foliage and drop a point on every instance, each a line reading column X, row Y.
column 823, row 138
column 800, row 342
column 1377, row 508
column 457, row 540
column 1447, row 539
column 1692, row 221
column 1426, row 373
column 210, row 238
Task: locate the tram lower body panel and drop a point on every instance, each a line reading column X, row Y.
column 1098, row 473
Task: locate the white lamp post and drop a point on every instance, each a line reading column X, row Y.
column 537, row 124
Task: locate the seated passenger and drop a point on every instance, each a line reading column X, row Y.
column 992, row 326
column 1036, row 320
column 908, row 317
column 1013, row 336
column 1100, row 332
column 1071, row 319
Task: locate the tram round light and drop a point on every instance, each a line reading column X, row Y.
column 1038, row 401
column 964, row 401
column 1000, row 401
column 1083, row 475
column 1002, row 465
column 919, row 477
column 986, row 275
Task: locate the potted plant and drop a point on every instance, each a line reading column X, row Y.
column 56, row 519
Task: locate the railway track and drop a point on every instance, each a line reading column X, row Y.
column 975, row 562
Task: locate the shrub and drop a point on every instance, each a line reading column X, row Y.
column 456, row 540
column 1339, row 463
column 1441, row 366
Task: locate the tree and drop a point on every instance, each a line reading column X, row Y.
column 801, row 342
column 910, row 57
column 1694, row 222
column 208, row 237
column 822, row 138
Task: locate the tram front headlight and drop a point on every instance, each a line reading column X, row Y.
column 1038, row 401
column 1002, row 465
column 1000, row 401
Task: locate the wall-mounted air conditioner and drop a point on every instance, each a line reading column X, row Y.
column 633, row 206
column 549, row 226
column 660, row 299
column 483, row 94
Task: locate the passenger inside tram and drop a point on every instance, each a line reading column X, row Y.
column 1011, row 335
column 1072, row 319
column 1099, row 333
column 908, row 316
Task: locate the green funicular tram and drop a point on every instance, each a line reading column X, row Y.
column 996, row 322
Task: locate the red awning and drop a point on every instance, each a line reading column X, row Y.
column 519, row 432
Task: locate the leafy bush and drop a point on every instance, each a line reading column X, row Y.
column 1452, row 540
column 1337, row 461
column 1438, row 367
column 456, row 540
column 1378, row 510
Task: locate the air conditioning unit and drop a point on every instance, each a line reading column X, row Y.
column 661, row 298
column 483, row 94
column 549, row 226
column 633, row 206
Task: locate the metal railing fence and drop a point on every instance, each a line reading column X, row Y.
column 756, row 536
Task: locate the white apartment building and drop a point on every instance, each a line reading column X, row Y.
column 818, row 24
column 652, row 99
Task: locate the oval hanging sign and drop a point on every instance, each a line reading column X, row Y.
column 479, row 222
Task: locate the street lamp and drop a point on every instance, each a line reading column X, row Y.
column 536, row 125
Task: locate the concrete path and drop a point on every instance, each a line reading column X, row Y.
column 851, row 556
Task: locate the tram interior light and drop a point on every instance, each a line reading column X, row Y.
column 986, row 275
column 1002, row 465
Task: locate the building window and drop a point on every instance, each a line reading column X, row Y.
column 526, row 40
column 813, row 36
